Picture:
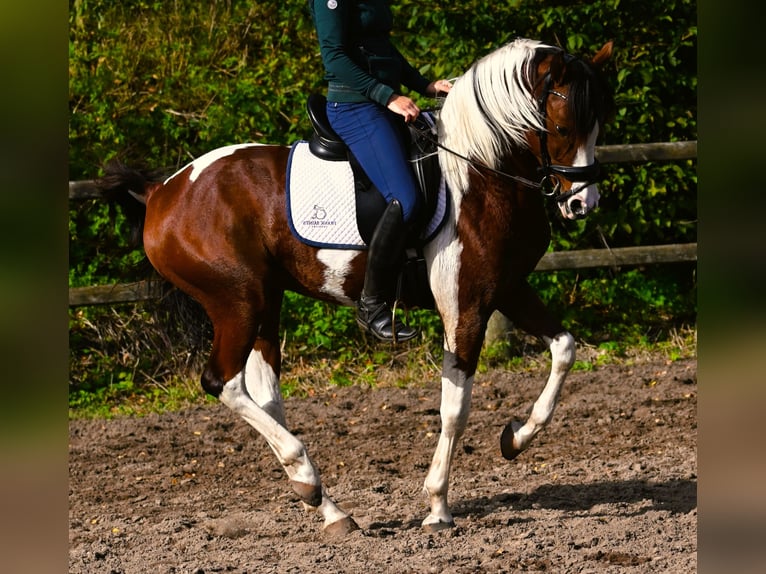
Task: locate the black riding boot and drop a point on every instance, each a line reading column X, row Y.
column 384, row 256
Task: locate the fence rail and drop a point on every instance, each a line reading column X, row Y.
column 618, row 257
column 629, row 153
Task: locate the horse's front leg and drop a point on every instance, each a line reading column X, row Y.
column 455, row 407
column 530, row 314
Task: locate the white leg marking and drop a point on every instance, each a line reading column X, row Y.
column 290, row 451
column 262, row 385
column 455, row 408
column 562, row 348
column 328, row 510
column 443, row 257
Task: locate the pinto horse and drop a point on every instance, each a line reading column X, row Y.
column 520, row 126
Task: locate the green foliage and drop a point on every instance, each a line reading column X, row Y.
column 168, row 81
column 123, row 398
column 160, row 83
column 637, row 304
column 327, row 337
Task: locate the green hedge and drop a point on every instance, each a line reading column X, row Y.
column 164, row 82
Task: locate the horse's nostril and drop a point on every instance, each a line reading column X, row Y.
column 577, row 207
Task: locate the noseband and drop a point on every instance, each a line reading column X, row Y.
column 550, row 184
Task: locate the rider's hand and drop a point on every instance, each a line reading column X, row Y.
column 438, row 86
column 403, row 106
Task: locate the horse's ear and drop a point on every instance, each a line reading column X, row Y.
column 557, row 65
column 603, row 54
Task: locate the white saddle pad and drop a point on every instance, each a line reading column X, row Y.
column 321, row 205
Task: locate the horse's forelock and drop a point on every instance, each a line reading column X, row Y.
column 589, row 98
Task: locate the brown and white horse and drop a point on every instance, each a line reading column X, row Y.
column 519, row 126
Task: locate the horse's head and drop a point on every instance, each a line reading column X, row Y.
column 533, row 98
column 573, row 102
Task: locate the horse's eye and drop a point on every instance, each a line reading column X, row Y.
column 563, row 131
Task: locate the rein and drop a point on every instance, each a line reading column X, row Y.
column 549, row 185
column 524, row 181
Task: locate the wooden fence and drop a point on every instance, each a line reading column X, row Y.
column 618, row 257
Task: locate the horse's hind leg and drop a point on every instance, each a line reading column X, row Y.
column 529, row 313
column 263, row 365
column 244, row 375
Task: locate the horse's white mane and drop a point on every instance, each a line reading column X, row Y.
column 499, row 82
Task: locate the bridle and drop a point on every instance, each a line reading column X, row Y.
column 550, row 184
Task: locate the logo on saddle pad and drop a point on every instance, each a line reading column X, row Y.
column 319, row 217
column 321, row 202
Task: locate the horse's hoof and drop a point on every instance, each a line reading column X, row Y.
column 507, row 447
column 432, row 527
column 309, row 493
column 341, row 528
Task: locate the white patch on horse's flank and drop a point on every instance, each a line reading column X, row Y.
column 337, row 264
column 203, row 162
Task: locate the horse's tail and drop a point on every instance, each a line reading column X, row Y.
column 129, row 188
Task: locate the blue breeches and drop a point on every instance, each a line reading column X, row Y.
column 375, row 137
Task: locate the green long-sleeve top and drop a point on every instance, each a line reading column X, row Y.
column 360, row 61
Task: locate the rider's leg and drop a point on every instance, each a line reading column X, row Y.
column 374, row 136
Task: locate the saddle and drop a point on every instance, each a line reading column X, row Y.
column 370, row 203
column 412, row 286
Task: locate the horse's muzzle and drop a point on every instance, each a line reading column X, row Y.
column 580, row 205
column 577, row 208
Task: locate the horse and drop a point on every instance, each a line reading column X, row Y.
column 518, row 129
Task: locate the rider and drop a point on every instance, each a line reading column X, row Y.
column 364, row 71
